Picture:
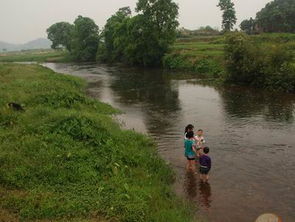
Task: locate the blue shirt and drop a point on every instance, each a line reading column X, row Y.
column 188, row 148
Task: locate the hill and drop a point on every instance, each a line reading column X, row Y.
column 40, row 43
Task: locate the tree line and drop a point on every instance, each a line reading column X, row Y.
column 142, row 39
column 276, row 16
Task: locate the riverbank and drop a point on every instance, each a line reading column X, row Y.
column 207, row 56
column 64, row 159
column 262, row 61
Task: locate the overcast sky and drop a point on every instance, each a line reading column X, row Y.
column 25, row 20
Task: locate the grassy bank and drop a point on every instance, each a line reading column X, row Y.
column 35, row 56
column 64, row 159
column 205, row 54
column 202, row 55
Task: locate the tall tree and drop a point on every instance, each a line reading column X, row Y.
column 277, row 16
column 85, row 39
column 229, row 18
column 158, row 22
column 112, row 36
column 61, row 35
column 144, row 38
column 248, row 26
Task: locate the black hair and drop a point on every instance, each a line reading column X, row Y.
column 206, row 150
column 190, row 134
column 188, row 127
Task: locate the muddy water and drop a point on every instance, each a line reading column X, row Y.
column 251, row 135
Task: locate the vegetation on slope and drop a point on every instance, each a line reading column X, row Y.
column 64, row 159
column 35, row 56
column 210, row 57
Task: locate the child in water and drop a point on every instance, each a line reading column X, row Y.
column 190, row 150
column 188, row 128
column 200, row 141
column 205, row 165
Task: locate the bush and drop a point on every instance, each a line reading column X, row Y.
column 176, row 61
column 260, row 65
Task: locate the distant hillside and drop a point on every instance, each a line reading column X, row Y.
column 40, row 43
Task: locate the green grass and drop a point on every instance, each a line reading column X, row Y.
column 65, row 159
column 35, row 56
column 204, row 55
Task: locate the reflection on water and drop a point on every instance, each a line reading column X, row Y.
column 248, row 102
column 197, row 191
column 250, row 134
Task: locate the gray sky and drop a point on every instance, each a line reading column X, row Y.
column 25, row 20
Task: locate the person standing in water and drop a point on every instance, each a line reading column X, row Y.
column 205, row 165
column 200, row 141
column 188, row 128
column 190, row 151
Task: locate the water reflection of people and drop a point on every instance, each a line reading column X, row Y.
column 191, row 185
column 197, row 191
column 205, row 195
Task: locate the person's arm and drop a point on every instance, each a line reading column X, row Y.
column 194, row 148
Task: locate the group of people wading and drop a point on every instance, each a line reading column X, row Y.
column 196, row 152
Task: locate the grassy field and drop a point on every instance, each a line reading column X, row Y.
column 64, row 159
column 35, row 56
column 205, row 54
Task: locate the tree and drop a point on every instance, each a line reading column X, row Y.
column 157, row 23
column 248, row 26
column 61, row 35
column 85, row 39
column 144, row 38
column 277, row 16
column 112, row 36
column 229, row 14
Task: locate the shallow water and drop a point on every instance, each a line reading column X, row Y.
column 251, row 135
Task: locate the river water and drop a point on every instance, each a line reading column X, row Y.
column 251, row 135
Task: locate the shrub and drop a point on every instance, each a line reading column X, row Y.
column 260, row 65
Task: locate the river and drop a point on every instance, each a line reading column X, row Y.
column 251, row 135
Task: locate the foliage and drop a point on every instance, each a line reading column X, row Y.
column 142, row 39
column 61, row 35
column 64, row 159
column 229, row 14
column 277, row 16
column 248, row 26
column 111, row 49
column 260, row 65
column 202, row 31
column 85, row 39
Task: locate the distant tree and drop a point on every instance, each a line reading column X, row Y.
column 61, row 35
column 85, row 39
column 112, row 37
column 4, row 50
column 277, row 16
column 125, row 11
column 248, row 26
column 229, row 14
column 144, row 38
column 157, row 23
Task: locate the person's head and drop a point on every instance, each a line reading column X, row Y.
column 206, row 150
column 200, row 132
column 190, row 135
column 189, row 128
